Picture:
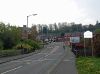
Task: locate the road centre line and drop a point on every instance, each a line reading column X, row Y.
column 66, row 60
column 48, row 72
column 54, row 49
column 41, row 59
column 49, row 53
column 11, row 70
column 35, row 60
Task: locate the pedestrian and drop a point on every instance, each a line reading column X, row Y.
column 64, row 45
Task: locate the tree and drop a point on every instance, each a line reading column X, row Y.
column 9, row 35
column 45, row 30
column 8, row 39
column 97, row 26
column 74, row 28
column 91, row 28
column 34, row 32
column 85, row 28
column 16, row 31
column 55, row 27
column 39, row 28
column 79, row 28
column 1, row 45
column 2, row 27
column 50, row 28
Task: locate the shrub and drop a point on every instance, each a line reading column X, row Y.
column 8, row 40
column 1, row 45
column 88, row 65
column 25, row 48
column 97, row 31
column 33, row 44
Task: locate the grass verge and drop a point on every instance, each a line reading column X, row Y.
column 88, row 65
column 7, row 53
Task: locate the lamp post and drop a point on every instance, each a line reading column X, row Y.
column 27, row 22
column 28, row 17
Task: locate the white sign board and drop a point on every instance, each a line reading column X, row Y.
column 88, row 34
column 74, row 39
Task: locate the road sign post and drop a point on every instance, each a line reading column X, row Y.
column 88, row 34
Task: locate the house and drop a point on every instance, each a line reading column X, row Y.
column 25, row 32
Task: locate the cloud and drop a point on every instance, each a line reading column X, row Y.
column 49, row 11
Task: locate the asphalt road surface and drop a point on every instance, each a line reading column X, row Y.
column 41, row 63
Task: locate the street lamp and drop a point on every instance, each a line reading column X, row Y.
column 28, row 17
column 27, row 22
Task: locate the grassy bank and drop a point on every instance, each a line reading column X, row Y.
column 88, row 65
column 22, row 47
column 10, row 52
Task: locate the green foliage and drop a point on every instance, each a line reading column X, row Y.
column 16, row 32
column 62, row 34
column 97, row 31
column 64, row 27
column 88, row 65
column 33, row 44
column 23, row 46
column 9, row 35
column 2, row 27
column 1, row 45
column 33, row 33
column 8, row 40
column 45, row 30
column 91, row 28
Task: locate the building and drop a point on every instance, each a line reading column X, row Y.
column 25, row 32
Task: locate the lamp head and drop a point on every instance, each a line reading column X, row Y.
column 34, row 14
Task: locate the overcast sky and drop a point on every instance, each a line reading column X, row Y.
column 49, row 11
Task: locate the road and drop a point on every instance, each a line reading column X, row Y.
column 53, row 59
column 66, row 65
column 44, row 62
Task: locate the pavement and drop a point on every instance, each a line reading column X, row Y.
column 66, row 65
column 11, row 58
column 53, row 59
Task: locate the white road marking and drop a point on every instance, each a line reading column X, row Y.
column 11, row 70
column 39, row 60
column 42, row 53
column 50, row 52
column 72, row 57
column 66, row 60
column 22, row 61
column 50, row 59
column 54, row 49
column 16, row 61
column 28, row 61
column 42, row 58
column 52, row 68
column 58, row 54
